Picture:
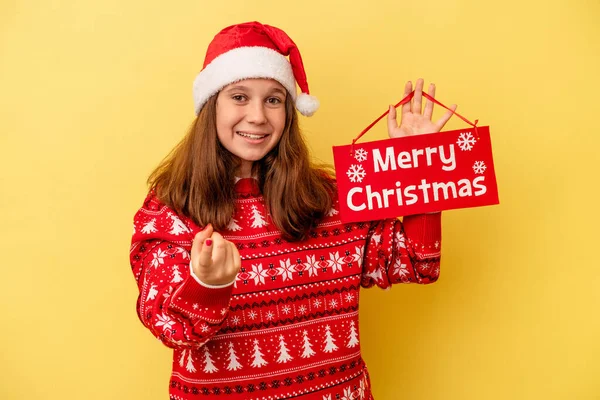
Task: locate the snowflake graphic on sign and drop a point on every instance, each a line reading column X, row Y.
column 466, row 141
column 479, row 167
column 360, row 155
column 356, row 173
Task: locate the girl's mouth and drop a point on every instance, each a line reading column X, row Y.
column 252, row 136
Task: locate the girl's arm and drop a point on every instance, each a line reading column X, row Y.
column 173, row 304
column 403, row 252
column 407, row 252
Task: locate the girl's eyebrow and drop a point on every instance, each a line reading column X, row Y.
column 237, row 87
column 245, row 88
column 283, row 92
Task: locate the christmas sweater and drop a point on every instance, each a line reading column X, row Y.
column 288, row 326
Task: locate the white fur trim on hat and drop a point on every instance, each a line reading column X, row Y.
column 238, row 64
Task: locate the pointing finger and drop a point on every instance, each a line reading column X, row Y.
column 200, row 238
column 205, row 256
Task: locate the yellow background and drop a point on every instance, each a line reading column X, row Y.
column 94, row 93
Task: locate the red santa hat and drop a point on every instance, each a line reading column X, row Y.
column 253, row 50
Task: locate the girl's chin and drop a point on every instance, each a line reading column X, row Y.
column 250, row 158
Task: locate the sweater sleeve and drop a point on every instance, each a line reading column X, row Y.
column 172, row 304
column 403, row 252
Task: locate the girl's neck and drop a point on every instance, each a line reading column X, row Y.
column 245, row 169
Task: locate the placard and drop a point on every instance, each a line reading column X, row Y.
column 415, row 174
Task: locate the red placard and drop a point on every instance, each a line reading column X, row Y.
column 415, row 174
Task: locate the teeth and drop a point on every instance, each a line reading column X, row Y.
column 251, row 136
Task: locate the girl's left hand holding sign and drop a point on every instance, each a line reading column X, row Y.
column 215, row 261
column 416, row 120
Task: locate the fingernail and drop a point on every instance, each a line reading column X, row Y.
column 208, row 242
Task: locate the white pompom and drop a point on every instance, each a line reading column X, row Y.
column 307, row 104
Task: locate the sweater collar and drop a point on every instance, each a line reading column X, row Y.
column 246, row 187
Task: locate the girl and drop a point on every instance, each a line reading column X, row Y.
column 243, row 266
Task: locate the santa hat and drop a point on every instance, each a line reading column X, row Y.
column 253, row 50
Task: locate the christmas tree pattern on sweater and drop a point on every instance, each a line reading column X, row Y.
column 288, row 326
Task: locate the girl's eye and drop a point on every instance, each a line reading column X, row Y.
column 273, row 100
column 238, row 97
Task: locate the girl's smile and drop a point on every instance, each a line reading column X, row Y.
column 253, row 137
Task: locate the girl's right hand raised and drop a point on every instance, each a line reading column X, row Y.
column 215, row 261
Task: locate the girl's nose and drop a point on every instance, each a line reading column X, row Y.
column 256, row 113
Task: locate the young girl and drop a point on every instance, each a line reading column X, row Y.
column 243, row 266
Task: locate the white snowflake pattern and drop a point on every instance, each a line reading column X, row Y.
column 333, row 303
column 164, row 321
column 479, row 167
column 204, row 328
column 286, row 309
column 358, row 254
column 465, row 141
column 317, row 303
column 356, row 173
column 302, row 309
column 348, row 394
column 437, row 244
column 360, row 155
column 269, row 315
column 401, row 270
column 252, row 315
column 235, row 320
column 158, row 258
column 258, row 273
column 336, row 261
column 311, row 265
column 349, row 297
column 286, row 269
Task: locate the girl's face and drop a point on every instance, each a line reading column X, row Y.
column 251, row 119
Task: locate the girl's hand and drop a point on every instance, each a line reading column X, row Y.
column 415, row 121
column 215, row 261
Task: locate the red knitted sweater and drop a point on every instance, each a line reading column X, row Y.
column 288, row 327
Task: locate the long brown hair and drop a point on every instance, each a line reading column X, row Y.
column 197, row 178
